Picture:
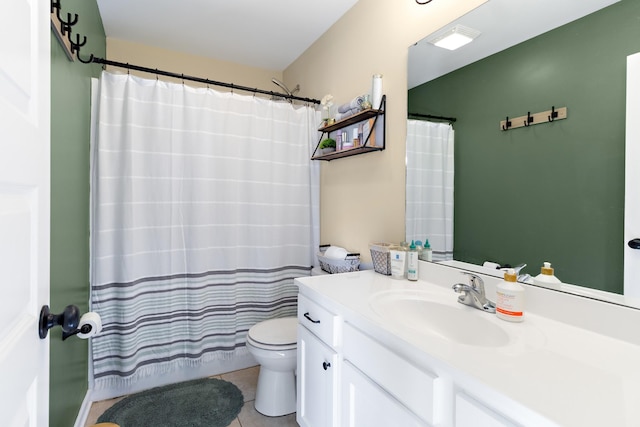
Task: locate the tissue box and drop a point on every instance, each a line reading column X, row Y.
column 333, row 266
column 380, row 257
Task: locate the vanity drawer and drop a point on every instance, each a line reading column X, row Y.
column 318, row 320
column 415, row 388
column 471, row 413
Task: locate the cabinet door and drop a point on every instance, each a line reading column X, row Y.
column 471, row 413
column 365, row 404
column 316, row 382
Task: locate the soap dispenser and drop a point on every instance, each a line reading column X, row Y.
column 546, row 277
column 510, row 298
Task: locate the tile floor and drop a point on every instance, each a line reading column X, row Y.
column 245, row 380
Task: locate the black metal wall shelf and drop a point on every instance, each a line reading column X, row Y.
column 361, row 116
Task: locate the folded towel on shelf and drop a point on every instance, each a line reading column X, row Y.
column 340, row 116
column 355, row 103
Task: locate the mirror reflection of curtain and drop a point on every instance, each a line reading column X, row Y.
column 429, row 198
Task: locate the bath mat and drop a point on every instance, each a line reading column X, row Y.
column 206, row 402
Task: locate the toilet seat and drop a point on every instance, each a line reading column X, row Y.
column 274, row 334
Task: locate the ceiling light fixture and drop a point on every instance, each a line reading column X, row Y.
column 453, row 38
column 423, row 1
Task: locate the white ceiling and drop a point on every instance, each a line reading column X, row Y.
column 503, row 23
column 265, row 34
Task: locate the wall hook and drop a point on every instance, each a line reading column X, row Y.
column 529, row 119
column 554, row 114
column 88, row 61
column 75, row 46
column 507, row 124
column 65, row 26
column 55, row 4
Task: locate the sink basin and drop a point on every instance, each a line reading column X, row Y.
column 455, row 322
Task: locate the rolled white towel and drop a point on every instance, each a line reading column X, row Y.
column 340, row 116
column 355, row 103
column 336, row 252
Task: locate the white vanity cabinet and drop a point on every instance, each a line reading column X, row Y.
column 318, row 366
column 392, row 365
column 351, row 376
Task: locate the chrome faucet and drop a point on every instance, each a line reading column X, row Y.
column 473, row 294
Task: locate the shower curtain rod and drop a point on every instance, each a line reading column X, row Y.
column 232, row 86
column 429, row 116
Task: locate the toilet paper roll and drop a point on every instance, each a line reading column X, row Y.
column 91, row 323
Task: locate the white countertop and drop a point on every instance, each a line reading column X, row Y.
column 565, row 374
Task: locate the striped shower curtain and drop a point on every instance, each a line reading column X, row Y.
column 204, row 210
column 429, row 186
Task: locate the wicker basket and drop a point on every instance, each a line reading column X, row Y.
column 380, row 257
column 334, row 266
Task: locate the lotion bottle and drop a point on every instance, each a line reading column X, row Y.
column 510, row 298
column 412, row 262
column 427, row 253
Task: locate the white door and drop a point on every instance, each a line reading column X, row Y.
column 24, row 211
column 632, row 180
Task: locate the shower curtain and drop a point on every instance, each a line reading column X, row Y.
column 430, row 171
column 204, row 210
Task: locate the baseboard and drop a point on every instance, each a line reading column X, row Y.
column 83, row 413
column 215, row 367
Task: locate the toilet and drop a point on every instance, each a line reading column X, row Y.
column 273, row 343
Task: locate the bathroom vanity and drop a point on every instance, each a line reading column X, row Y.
column 374, row 351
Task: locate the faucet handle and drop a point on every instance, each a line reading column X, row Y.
column 475, row 281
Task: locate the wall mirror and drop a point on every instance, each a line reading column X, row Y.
column 550, row 192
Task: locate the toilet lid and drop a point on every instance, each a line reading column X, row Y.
column 275, row 332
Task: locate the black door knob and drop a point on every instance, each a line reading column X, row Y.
column 68, row 319
column 634, row 243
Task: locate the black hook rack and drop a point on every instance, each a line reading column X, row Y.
column 534, row 119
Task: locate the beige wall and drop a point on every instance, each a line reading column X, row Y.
column 197, row 66
column 363, row 197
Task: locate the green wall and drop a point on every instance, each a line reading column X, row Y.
column 70, row 112
column 550, row 192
